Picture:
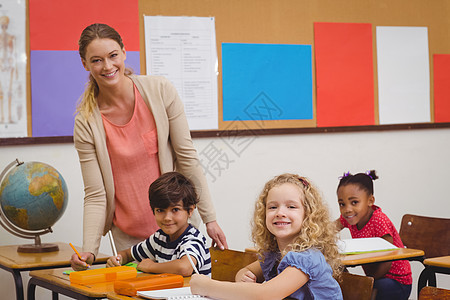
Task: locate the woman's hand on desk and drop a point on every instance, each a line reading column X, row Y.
column 217, row 235
column 78, row 264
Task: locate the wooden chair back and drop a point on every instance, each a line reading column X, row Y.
column 226, row 263
column 431, row 292
column 432, row 235
column 356, row 287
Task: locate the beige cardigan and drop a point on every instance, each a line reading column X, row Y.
column 175, row 150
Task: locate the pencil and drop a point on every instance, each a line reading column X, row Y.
column 78, row 253
column 190, row 260
column 113, row 246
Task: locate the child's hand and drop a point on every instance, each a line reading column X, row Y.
column 114, row 261
column 146, row 265
column 247, row 276
column 198, row 284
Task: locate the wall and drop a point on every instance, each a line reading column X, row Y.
column 413, row 166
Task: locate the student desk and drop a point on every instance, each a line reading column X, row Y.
column 55, row 281
column 58, row 283
column 354, row 260
column 432, row 266
column 16, row 262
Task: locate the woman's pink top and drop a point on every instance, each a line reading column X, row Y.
column 133, row 151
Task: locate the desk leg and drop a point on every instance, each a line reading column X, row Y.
column 31, row 290
column 17, row 281
column 19, row 284
column 55, row 289
column 426, row 277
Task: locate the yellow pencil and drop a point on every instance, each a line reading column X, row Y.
column 78, row 253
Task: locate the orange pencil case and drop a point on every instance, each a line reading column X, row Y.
column 129, row 287
column 102, row 275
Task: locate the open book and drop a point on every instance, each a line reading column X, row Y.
column 364, row 245
column 171, row 294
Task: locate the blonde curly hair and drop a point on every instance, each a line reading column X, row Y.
column 317, row 230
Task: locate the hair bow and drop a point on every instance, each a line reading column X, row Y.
column 345, row 175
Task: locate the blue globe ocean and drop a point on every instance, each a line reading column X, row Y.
column 33, row 196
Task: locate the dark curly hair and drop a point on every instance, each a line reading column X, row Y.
column 363, row 180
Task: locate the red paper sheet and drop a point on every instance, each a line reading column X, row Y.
column 57, row 25
column 344, row 74
column 441, row 67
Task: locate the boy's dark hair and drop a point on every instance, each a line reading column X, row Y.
column 169, row 189
column 363, row 180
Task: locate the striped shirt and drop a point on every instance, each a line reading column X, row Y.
column 159, row 248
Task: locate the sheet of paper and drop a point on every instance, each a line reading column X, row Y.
column 267, row 82
column 54, row 96
column 362, row 245
column 441, row 65
column 177, row 293
column 183, row 49
column 344, row 74
column 13, row 68
column 403, row 74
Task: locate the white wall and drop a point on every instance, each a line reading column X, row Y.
column 413, row 166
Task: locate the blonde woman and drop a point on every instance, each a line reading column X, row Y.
column 129, row 130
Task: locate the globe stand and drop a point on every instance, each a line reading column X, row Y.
column 37, row 247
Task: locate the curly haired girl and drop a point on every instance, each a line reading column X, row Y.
column 296, row 243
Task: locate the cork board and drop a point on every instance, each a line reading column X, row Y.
column 292, row 22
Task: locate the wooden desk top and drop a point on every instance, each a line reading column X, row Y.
column 352, row 260
column 56, row 277
column 98, row 290
column 10, row 258
column 374, row 257
column 441, row 261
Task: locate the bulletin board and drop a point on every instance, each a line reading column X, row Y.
column 292, row 22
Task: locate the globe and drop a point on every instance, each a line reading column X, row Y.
column 33, row 196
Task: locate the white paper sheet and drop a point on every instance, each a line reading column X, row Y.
column 362, row 245
column 403, row 74
column 183, row 49
column 171, row 294
column 13, row 67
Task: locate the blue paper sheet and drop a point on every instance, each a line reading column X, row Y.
column 267, row 82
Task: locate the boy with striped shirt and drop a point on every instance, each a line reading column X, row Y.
column 172, row 199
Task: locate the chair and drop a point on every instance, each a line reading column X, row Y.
column 226, row 263
column 432, row 235
column 356, row 287
column 430, row 292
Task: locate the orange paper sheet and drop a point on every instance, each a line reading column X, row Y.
column 441, row 67
column 344, row 74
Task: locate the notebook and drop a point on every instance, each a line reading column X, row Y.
column 364, row 245
column 172, row 294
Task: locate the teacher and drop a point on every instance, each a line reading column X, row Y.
column 129, row 129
